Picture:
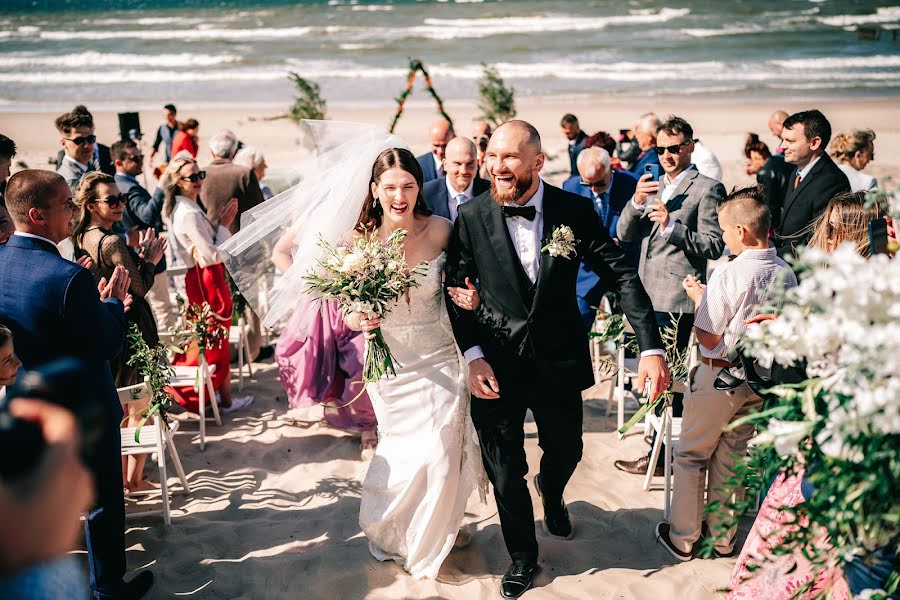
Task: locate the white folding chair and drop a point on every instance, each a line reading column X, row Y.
column 156, row 436
column 627, row 371
column 238, row 336
column 200, row 378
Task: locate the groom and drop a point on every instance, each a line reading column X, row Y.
column 527, row 346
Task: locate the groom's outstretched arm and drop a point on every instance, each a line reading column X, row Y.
column 608, row 260
column 460, row 265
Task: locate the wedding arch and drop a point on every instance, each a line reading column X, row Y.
column 416, row 66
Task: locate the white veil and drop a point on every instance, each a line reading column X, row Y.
column 333, row 184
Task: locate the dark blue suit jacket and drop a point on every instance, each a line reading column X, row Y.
column 588, row 285
column 54, row 310
column 574, row 150
column 649, row 158
column 438, row 199
column 429, row 172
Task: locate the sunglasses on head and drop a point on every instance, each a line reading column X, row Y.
column 113, row 201
column 195, row 177
column 675, row 149
column 83, row 140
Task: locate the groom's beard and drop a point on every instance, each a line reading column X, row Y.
column 513, row 195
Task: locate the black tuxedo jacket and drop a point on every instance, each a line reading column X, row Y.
column 521, row 326
column 804, row 204
column 438, row 198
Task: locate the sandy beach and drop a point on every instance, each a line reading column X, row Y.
column 720, row 124
column 275, row 499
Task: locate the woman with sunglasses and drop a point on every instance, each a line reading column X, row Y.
column 100, row 206
column 194, row 239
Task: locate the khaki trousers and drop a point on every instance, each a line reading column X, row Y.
column 705, row 450
column 161, row 303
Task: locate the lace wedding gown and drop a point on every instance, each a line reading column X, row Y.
column 427, row 461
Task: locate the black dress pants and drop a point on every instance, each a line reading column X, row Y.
column 500, row 427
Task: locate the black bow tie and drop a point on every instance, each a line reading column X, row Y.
column 529, row 212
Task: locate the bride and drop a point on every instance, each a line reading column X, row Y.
column 427, row 462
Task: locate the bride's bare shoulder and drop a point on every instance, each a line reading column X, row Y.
column 439, row 230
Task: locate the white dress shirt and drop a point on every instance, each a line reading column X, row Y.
column 454, row 198
column 194, row 235
column 33, row 236
column 669, row 189
column 526, row 235
column 805, row 170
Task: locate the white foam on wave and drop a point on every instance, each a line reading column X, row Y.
column 887, row 14
column 262, row 33
column 830, row 62
column 145, row 21
column 372, row 7
column 352, row 47
column 448, row 29
column 731, row 30
column 97, row 59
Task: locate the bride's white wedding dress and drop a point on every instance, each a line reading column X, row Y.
column 427, row 461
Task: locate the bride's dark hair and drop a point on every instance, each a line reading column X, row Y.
column 371, row 214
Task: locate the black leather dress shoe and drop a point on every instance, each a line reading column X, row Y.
column 557, row 521
column 518, row 579
column 137, row 587
column 639, row 466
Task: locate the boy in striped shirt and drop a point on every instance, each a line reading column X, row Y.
column 734, row 293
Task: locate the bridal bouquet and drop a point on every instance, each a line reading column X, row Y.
column 366, row 276
column 841, row 426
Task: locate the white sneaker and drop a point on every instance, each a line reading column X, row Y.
column 237, row 403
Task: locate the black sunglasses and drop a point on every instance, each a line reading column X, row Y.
column 195, row 177
column 660, row 150
column 83, row 140
column 596, row 184
column 113, row 201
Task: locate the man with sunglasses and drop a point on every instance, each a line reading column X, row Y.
column 481, row 135
column 675, row 222
column 609, row 189
column 80, row 153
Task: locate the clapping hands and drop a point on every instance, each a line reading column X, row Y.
column 152, row 247
column 228, row 212
column 116, row 287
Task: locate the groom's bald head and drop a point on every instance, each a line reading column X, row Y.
column 521, row 130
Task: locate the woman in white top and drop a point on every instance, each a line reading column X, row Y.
column 194, row 238
column 853, row 151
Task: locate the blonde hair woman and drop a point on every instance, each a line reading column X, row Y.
column 853, row 151
column 846, row 219
column 194, row 239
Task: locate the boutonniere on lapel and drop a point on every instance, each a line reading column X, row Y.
column 562, row 242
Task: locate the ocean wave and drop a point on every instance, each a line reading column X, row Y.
column 830, row 62
column 262, row 33
column 146, row 21
column 353, row 47
column 97, row 59
column 448, row 29
column 887, row 14
column 732, row 30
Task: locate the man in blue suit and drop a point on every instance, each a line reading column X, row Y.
column 445, row 195
column 576, row 137
column 609, row 189
column 55, row 309
column 432, row 163
column 645, row 134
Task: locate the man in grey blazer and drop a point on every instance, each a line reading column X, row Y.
column 676, row 224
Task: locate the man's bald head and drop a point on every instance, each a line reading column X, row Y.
column 440, row 134
column 593, row 163
column 481, row 128
column 776, row 122
column 520, row 129
column 461, row 163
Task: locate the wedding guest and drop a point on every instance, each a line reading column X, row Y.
column 572, row 130
column 481, row 135
column 853, row 151
column 194, row 238
column 7, row 152
column 440, row 134
column 100, row 205
column 254, row 159
column 321, row 365
column 144, row 212
column 776, row 126
column 444, row 196
column 9, row 363
column 601, row 139
column 76, row 131
column 678, row 236
column 609, row 190
column 645, row 135
column 102, row 159
column 771, row 172
column 757, row 571
column 53, row 308
column 226, row 180
column 186, row 138
column 165, row 135
column 707, row 448
column 757, row 154
column 815, row 180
